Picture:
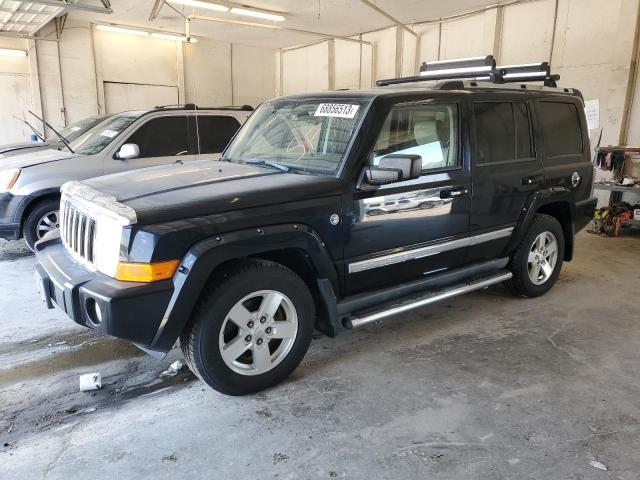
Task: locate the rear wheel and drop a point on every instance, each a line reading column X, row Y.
column 43, row 218
column 537, row 262
column 252, row 330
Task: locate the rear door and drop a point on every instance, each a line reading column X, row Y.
column 161, row 139
column 214, row 133
column 506, row 169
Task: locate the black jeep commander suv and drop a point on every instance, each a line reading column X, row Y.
column 328, row 211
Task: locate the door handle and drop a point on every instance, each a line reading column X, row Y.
column 453, row 192
column 533, row 179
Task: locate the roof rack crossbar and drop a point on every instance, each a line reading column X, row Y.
column 479, row 68
column 192, row 106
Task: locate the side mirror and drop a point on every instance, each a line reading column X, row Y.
column 394, row 168
column 127, row 151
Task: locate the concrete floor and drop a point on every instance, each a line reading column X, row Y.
column 486, row 386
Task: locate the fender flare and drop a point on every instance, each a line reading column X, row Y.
column 30, row 200
column 534, row 202
column 207, row 255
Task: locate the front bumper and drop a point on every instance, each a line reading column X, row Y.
column 10, row 209
column 128, row 310
column 584, row 212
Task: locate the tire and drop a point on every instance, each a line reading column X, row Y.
column 44, row 214
column 527, row 281
column 215, row 334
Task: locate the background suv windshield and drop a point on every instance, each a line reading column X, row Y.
column 304, row 135
column 96, row 139
column 75, row 130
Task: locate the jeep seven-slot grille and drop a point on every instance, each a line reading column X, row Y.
column 77, row 231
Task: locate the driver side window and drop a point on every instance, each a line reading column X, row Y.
column 162, row 137
column 430, row 131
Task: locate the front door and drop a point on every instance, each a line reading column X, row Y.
column 413, row 228
column 161, row 141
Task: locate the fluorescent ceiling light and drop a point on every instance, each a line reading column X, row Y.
column 200, row 4
column 257, row 14
column 7, row 52
column 130, row 31
column 174, row 37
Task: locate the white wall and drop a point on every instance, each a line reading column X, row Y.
column 15, row 93
column 305, row 69
column 90, row 71
column 254, row 74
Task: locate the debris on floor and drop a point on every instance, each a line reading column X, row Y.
column 90, row 381
column 599, row 465
column 173, row 369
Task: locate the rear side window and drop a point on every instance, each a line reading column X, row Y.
column 215, row 132
column 561, row 128
column 503, row 132
column 161, row 137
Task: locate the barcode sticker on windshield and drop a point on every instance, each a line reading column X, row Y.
column 108, row 133
column 75, row 129
column 340, row 110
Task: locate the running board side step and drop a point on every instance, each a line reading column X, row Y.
column 427, row 299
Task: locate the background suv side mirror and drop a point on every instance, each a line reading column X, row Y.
column 394, row 168
column 127, row 151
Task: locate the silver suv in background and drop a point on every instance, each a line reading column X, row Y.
column 30, row 183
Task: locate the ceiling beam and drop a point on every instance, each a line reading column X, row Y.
column 272, row 26
column 68, row 5
column 155, row 11
column 26, row 36
column 389, row 16
column 23, row 10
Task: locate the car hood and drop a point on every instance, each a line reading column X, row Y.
column 10, row 147
column 192, row 189
column 35, row 157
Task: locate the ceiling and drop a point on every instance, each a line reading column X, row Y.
column 333, row 17
column 25, row 18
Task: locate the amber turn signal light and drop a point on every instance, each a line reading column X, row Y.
column 146, row 272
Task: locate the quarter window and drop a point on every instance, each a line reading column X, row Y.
column 503, row 132
column 561, row 129
column 162, row 137
column 430, row 131
column 215, row 132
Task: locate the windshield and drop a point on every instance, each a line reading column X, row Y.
column 304, row 135
column 97, row 138
column 74, row 130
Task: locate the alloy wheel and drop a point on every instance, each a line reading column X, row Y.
column 49, row 221
column 258, row 332
column 542, row 258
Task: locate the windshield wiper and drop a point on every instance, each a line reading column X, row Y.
column 64, row 140
column 37, row 134
column 268, row 163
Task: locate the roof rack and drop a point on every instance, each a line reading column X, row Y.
column 193, row 106
column 480, row 69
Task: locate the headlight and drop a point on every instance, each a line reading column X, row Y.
column 8, row 179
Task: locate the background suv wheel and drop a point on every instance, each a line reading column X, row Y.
column 537, row 261
column 252, row 330
column 43, row 218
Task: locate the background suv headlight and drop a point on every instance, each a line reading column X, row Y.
column 8, row 179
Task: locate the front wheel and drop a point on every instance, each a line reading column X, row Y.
column 537, row 261
column 252, row 330
column 43, row 218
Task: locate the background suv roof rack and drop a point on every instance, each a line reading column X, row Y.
column 193, row 106
column 481, row 69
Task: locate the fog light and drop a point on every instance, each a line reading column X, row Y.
column 94, row 311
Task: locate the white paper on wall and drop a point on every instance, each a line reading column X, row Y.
column 592, row 111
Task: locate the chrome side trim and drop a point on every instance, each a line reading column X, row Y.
column 430, row 298
column 421, row 252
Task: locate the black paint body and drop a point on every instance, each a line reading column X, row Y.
column 210, row 213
